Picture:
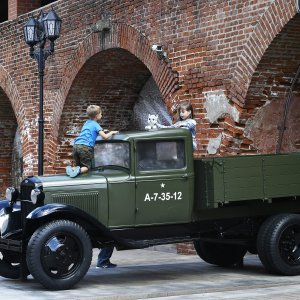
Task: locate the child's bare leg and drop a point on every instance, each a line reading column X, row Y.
column 84, row 170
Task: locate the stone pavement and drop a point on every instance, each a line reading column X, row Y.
column 148, row 274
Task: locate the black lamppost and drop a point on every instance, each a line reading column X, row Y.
column 37, row 31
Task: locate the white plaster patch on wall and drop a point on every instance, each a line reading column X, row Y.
column 214, row 144
column 217, row 105
column 67, row 162
column 17, row 143
column 49, row 119
column 68, row 141
column 255, row 121
column 29, row 162
column 73, row 130
column 26, row 132
column 150, row 101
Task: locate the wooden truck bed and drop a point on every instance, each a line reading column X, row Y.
column 223, row 180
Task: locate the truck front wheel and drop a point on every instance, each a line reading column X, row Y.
column 278, row 244
column 59, row 254
column 10, row 264
column 224, row 255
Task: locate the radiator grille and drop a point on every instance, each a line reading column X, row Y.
column 27, row 185
column 26, row 189
column 88, row 202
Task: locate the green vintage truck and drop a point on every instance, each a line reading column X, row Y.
column 147, row 189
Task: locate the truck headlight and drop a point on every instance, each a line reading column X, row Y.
column 12, row 194
column 37, row 196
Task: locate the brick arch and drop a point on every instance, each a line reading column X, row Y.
column 10, row 89
column 124, row 37
column 266, row 99
column 8, row 95
column 269, row 25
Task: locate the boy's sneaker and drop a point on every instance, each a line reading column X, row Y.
column 68, row 170
column 106, row 265
column 75, row 171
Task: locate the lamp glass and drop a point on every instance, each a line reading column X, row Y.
column 52, row 25
column 31, row 31
column 51, row 28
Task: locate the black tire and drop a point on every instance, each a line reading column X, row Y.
column 278, row 244
column 10, row 264
column 224, row 255
column 59, row 254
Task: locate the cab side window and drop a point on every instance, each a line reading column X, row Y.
column 160, row 155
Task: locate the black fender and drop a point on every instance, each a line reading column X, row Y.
column 4, row 204
column 57, row 210
column 54, row 211
column 10, row 219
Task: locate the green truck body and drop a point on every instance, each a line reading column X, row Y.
column 223, row 180
column 147, row 189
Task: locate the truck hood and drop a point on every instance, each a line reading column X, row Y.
column 93, row 177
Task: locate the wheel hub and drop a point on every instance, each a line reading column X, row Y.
column 289, row 245
column 61, row 256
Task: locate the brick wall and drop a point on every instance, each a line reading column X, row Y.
column 185, row 248
column 234, row 60
column 210, row 45
column 17, row 7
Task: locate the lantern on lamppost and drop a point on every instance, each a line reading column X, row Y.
column 36, row 32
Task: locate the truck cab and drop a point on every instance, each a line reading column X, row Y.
column 137, row 180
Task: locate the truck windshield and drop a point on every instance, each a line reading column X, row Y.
column 111, row 154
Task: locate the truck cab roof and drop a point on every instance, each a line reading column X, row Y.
column 156, row 133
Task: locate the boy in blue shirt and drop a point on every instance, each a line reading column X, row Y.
column 83, row 153
column 83, row 149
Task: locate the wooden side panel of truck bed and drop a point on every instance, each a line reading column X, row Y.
column 223, row 180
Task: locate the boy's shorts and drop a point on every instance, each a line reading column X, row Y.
column 83, row 156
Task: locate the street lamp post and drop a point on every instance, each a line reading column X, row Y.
column 36, row 32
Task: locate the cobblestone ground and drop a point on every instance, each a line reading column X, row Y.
column 145, row 274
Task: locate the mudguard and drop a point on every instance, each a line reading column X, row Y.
column 10, row 219
column 4, row 204
column 55, row 211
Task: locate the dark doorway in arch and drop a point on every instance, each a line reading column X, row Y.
column 8, row 126
column 3, row 10
column 45, row 2
column 121, row 84
column 268, row 91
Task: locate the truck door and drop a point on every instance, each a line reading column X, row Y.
column 164, row 181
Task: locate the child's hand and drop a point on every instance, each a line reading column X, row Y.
column 114, row 132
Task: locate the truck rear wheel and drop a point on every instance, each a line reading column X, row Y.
column 59, row 254
column 224, row 255
column 278, row 244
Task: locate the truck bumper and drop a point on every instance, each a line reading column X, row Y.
column 10, row 228
column 11, row 245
